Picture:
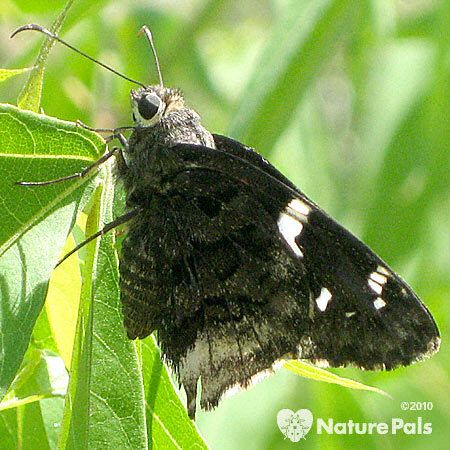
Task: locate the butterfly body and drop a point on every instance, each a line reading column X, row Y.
column 235, row 268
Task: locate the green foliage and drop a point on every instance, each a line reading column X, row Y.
column 34, row 145
column 8, row 73
column 30, row 97
column 349, row 100
column 315, row 373
column 299, row 47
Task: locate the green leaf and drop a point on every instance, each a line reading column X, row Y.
column 42, row 337
column 30, row 97
column 29, row 417
column 52, row 411
column 315, row 373
column 32, row 426
column 105, row 402
column 8, row 73
column 35, row 147
column 9, row 430
column 56, row 325
column 38, row 148
column 61, row 304
column 302, row 42
column 43, row 375
column 32, row 409
column 168, row 424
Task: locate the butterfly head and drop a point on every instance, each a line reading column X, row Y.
column 152, row 103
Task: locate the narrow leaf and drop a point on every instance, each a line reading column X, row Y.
column 105, row 404
column 315, row 373
column 61, row 303
column 30, row 97
column 8, row 73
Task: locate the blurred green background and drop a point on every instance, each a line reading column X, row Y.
column 348, row 99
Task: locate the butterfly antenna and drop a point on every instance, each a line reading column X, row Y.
column 51, row 35
column 149, row 36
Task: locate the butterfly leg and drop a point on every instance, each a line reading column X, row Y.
column 114, row 152
column 116, row 133
column 108, row 227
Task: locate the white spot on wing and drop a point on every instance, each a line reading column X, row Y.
column 382, row 270
column 299, row 207
column 378, row 278
column 350, row 314
column 290, row 228
column 379, row 303
column 323, row 299
column 375, row 286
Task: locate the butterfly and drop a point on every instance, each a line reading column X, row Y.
column 234, row 268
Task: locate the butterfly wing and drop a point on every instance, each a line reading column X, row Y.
column 263, row 273
column 361, row 312
column 352, row 290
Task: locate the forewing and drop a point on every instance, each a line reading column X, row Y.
column 361, row 312
column 302, row 286
column 235, row 148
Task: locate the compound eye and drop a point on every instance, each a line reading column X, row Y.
column 149, row 105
